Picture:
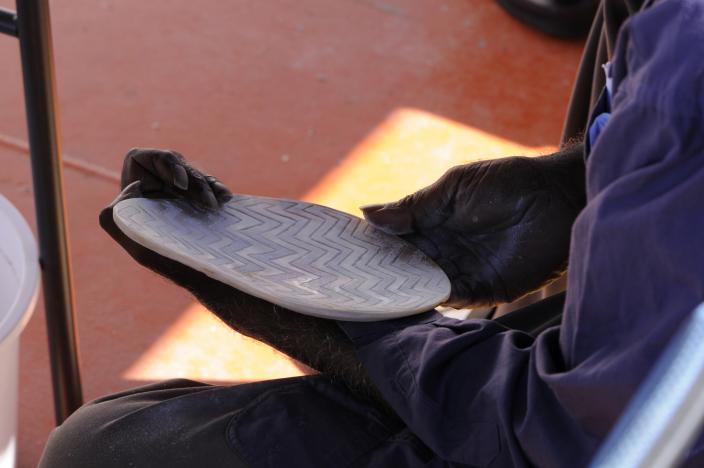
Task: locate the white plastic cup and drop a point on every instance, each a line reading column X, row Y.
column 19, row 283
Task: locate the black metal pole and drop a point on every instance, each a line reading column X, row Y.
column 34, row 28
column 8, row 23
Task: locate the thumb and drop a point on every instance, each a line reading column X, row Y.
column 424, row 209
column 105, row 218
column 392, row 218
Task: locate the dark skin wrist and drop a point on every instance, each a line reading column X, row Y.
column 567, row 172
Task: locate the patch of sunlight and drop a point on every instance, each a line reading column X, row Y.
column 407, row 151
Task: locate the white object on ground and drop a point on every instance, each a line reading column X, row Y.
column 19, row 282
column 308, row 258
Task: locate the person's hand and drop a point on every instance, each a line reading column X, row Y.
column 499, row 229
column 166, row 174
column 155, row 173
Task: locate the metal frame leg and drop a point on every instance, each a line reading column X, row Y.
column 32, row 26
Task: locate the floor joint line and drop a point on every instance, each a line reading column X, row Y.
column 69, row 161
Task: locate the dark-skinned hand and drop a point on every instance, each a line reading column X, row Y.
column 317, row 343
column 166, row 174
column 500, row 229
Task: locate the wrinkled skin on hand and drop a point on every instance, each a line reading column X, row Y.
column 500, row 229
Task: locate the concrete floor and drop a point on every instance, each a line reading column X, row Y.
column 341, row 102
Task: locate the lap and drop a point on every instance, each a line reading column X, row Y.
column 304, row 421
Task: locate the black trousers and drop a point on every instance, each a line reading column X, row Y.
column 301, row 421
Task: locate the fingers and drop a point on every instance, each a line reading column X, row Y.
column 222, row 193
column 156, row 169
column 167, row 174
column 199, row 189
column 131, row 171
column 169, row 168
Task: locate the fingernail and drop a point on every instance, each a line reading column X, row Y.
column 224, row 198
column 180, row 177
column 372, row 208
column 391, row 220
column 210, row 201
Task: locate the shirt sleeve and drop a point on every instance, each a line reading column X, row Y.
column 467, row 388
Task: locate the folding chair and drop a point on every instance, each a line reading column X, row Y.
column 664, row 418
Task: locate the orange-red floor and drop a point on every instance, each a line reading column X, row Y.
column 342, row 102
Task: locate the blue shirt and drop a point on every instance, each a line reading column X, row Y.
column 599, row 121
column 479, row 394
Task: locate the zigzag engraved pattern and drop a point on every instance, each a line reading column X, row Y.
column 305, row 257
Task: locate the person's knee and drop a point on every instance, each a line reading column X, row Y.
column 176, row 423
column 85, row 439
column 114, row 431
